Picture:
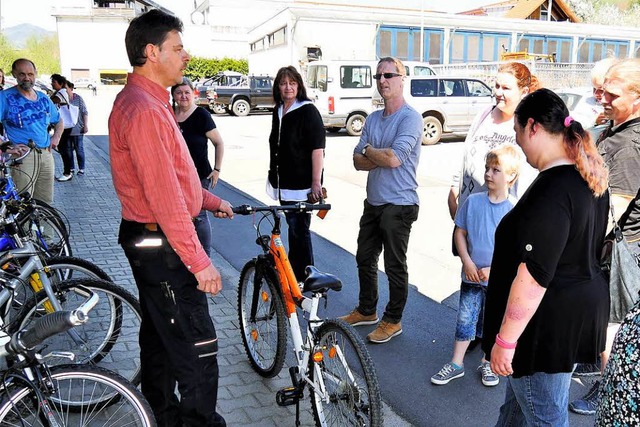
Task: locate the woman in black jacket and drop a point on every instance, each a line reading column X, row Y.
column 296, row 143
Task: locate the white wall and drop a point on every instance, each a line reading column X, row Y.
column 86, row 44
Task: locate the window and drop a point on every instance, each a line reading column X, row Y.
column 402, row 45
column 312, row 77
column 457, row 48
column 477, row 88
column 451, row 87
column 416, row 46
column 355, row 76
column 435, row 47
column 384, row 43
column 422, row 71
column 424, row 88
column 322, row 78
column 278, row 37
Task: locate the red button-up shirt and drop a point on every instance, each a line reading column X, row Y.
column 153, row 173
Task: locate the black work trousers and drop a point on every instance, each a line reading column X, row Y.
column 386, row 226
column 178, row 342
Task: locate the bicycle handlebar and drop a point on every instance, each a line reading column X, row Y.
column 301, row 206
column 48, row 326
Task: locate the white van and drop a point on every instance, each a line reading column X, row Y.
column 342, row 90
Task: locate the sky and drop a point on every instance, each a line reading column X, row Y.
column 38, row 12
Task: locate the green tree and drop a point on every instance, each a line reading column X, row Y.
column 7, row 54
column 199, row 68
column 44, row 52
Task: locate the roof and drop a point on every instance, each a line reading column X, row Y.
column 522, row 9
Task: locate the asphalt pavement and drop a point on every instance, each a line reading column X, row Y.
column 404, row 365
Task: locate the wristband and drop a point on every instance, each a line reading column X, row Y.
column 216, row 169
column 504, row 344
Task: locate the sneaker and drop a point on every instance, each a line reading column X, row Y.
column 588, row 404
column 355, row 318
column 384, row 332
column 587, row 369
column 448, row 372
column 64, row 177
column 489, row 378
column 81, row 172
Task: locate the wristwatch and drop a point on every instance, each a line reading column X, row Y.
column 364, row 149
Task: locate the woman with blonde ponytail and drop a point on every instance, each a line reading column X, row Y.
column 547, row 301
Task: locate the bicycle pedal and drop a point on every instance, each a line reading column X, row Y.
column 288, row 396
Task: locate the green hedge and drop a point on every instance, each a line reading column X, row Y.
column 199, row 68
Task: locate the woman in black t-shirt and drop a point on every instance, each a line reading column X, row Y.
column 547, row 302
column 198, row 128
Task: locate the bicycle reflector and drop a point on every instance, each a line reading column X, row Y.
column 317, row 356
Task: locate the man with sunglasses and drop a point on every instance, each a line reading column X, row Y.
column 389, row 150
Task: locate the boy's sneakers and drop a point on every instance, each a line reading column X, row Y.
column 81, row 172
column 384, row 332
column 588, row 404
column 489, row 378
column 448, row 372
column 355, row 318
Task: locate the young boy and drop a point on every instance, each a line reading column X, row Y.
column 476, row 223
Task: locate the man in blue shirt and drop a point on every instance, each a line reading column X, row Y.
column 389, row 150
column 26, row 115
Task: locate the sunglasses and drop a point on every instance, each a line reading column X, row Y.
column 386, row 76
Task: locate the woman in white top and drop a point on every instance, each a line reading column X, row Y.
column 490, row 129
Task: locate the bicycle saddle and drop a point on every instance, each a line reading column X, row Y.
column 318, row 281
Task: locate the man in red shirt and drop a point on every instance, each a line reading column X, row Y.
column 160, row 192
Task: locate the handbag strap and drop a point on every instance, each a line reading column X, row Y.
column 617, row 231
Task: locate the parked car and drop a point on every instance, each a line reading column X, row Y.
column 446, row 103
column 250, row 93
column 581, row 104
column 342, row 91
column 84, row 82
column 204, row 88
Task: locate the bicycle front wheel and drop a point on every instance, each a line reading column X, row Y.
column 109, row 339
column 344, row 389
column 262, row 319
column 82, row 396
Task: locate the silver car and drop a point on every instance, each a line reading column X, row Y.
column 447, row 104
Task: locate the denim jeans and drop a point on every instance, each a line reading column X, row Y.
column 470, row 311
column 300, row 246
column 387, row 226
column 76, row 144
column 540, row 399
column 203, row 225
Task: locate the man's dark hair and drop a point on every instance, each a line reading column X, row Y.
column 149, row 28
column 19, row 60
column 61, row 80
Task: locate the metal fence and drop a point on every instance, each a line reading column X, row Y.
column 551, row 75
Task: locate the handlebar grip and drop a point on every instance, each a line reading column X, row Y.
column 242, row 210
column 43, row 328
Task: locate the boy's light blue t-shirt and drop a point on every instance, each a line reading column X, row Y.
column 480, row 218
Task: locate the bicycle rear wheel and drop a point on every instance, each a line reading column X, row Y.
column 262, row 319
column 109, row 339
column 83, row 396
column 344, row 390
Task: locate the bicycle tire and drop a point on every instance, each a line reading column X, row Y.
column 55, row 213
column 345, row 388
column 61, row 268
column 83, row 396
column 110, row 337
column 265, row 337
column 40, row 223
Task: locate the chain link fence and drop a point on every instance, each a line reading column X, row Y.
column 551, row 75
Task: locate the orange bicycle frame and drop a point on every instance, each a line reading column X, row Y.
column 288, row 283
